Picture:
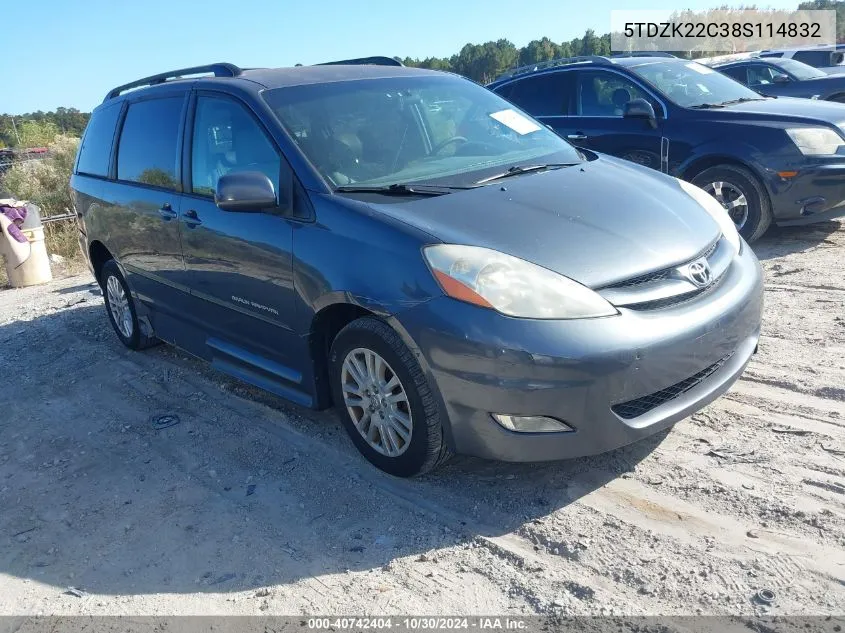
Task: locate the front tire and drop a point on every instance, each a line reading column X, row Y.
column 120, row 307
column 742, row 195
column 385, row 400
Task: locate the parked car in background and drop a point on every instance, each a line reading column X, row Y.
column 765, row 160
column 452, row 279
column 830, row 59
column 784, row 77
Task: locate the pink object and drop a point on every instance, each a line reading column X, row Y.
column 16, row 215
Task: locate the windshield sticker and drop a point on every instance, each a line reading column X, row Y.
column 704, row 70
column 515, row 121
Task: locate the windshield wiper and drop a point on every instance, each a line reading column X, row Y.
column 401, row 189
column 742, row 100
column 517, row 170
column 706, row 106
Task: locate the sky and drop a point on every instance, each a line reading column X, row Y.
column 72, row 52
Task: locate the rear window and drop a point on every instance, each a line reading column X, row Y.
column 148, row 143
column 96, row 144
column 819, row 59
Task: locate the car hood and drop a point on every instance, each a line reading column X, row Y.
column 824, row 86
column 600, row 222
column 787, row 109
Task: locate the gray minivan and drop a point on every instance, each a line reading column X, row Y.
column 414, row 250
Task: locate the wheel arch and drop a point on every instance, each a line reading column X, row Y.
column 698, row 165
column 325, row 325
column 98, row 255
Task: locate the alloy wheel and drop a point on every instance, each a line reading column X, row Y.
column 732, row 199
column 119, row 306
column 377, row 402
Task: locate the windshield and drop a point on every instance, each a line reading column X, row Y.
column 799, row 70
column 690, row 84
column 419, row 129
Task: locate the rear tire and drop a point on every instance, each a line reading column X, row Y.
column 379, row 390
column 120, row 308
column 729, row 180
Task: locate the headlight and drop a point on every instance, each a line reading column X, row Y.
column 716, row 211
column 815, row 141
column 511, row 285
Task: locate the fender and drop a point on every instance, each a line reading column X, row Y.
column 717, row 152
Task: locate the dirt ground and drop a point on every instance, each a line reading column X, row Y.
column 251, row 505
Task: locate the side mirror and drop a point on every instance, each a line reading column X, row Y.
column 640, row 109
column 245, row 191
column 780, row 79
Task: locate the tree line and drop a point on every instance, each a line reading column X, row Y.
column 484, row 62
column 37, row 129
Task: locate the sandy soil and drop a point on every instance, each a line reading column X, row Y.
column 250, row 505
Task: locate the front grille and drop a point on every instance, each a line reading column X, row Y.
column 665, row 273
column 677, row 300
column 641, row 406
column 642, row 279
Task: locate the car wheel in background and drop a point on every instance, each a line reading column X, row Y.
column 121, row 308
column 384, row 399
column 742, row 195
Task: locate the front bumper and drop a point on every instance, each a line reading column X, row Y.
column 815, row 194
column 483, row 362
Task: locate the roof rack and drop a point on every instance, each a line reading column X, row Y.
column 376, row 60
column 561, row 61
column 221, row 69
column 644, row 54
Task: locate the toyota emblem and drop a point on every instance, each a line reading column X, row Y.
column 699, row 273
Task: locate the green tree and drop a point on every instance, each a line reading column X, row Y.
column 537, row 51
column 68, row 121
column 836, row 5
column 35, row 133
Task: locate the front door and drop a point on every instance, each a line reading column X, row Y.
column 239, row 264
column 596, row 118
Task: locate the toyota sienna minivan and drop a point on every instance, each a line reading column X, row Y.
column 412, row 249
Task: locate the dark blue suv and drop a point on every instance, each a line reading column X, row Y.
column 765, row 159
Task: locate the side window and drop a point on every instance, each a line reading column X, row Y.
column 96, row 144
column 228, row 139
column 819, row 59
column 604, row 94
column 737, row 72
column 543, row 95
column 774, row 72
column 759, row 75
column 148, row 143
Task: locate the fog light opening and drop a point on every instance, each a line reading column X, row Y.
column 532, row 423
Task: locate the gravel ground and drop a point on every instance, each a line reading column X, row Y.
column 251, row 505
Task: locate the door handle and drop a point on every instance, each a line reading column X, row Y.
column 166, row 212
column 576, row 137
column 192, row 219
